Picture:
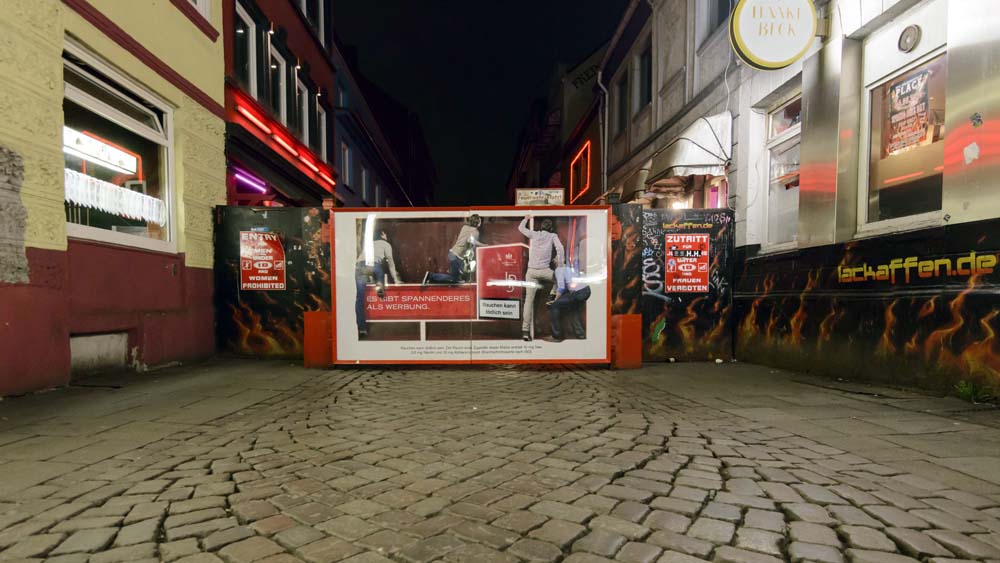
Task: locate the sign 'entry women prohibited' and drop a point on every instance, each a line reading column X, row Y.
column 772, row 34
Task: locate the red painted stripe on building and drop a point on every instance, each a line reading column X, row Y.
column 131, row 44
column 196, row 18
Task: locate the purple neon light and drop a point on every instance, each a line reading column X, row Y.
column 250, row 181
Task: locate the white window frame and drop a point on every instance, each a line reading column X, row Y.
column 283, row 88
column 243, row 15
column 163, row 138
column 637, row 103
column 795, row 131
column 321, row 123
column 321, row 5
column 345, row 163
column 867, row 228
column 204, row 8
column 302, row 92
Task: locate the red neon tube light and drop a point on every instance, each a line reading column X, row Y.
column 309, row 163
column 287, row 146
column 585, row 149
column 253, row 119
column 326, row 177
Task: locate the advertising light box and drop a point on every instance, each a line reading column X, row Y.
column 468, row 285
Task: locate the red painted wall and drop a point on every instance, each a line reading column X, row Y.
column 164, row 306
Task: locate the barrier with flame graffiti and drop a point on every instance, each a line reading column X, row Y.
column 270, row 323
column 680, row 319
column 918, row 308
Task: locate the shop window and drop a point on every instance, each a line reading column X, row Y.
column 116, row 152
column 302, row 103
column 645, row 85
column 245, row 50
column 784, row 129
column 621, row 104
column 345, row 163
column 321, row 132
column 276, row 85
column 906, row 152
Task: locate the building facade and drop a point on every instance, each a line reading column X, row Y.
column 108, row 264
column 280, row 95
column 860, row 178
column 560, row 143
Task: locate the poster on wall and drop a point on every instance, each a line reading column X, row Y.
column 471, row 285
column 686, row 263
column 907, row 116
column 262, row 261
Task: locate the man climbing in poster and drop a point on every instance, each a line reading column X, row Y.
column 540, row 252
column 571, row 294
column 460, row 254
column 375, row 257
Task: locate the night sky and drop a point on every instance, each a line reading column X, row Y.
column 470, row 70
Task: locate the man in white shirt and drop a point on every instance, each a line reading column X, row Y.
column 543, row 243
column 459, row 253
column 369, row 267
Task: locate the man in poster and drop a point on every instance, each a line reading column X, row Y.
column 571, row 294
column 375, row 257
column 543, row 242
column 458, row 255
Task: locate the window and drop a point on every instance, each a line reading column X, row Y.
column 784, row 128
column 276, row 85
column 302, row 110
column 116, row 143
column 621, row 101
column 365, row 194
column 906, row 152
column 203, row 7
column 341, row 97
column 245, row 50
column 321, row 132
column 345, row 163
column 314, row 12
column 718, row 12
column 378, row 195
column 645, row 78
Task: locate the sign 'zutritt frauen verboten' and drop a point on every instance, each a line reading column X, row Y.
column 772, row 34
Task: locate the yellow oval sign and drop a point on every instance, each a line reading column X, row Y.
column 772, row 34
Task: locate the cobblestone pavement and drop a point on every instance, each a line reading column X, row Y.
column 275, row 464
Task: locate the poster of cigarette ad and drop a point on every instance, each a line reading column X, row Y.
column 457, row 285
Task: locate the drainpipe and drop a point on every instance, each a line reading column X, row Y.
column 603, row 117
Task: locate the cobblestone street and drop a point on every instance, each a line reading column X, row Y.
column 263, row 461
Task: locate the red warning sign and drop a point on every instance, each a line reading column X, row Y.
column 262, row 261
column 685, row 263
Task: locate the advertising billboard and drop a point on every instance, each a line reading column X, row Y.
column 471, row 285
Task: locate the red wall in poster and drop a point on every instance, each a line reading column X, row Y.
column 262, row 261
column 500, row 263
column 685, row 261
column 414, row 302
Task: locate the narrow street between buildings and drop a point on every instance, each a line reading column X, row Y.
column 245, row 461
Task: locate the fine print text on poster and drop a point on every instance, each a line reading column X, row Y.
column 509, row 284
column 262, row 261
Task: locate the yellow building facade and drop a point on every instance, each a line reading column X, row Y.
column 106, row 249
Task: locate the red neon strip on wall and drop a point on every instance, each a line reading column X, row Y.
column 253, row 119
column 287, row 146
column 326, row 177
column 309, row 163
column 585, row 149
